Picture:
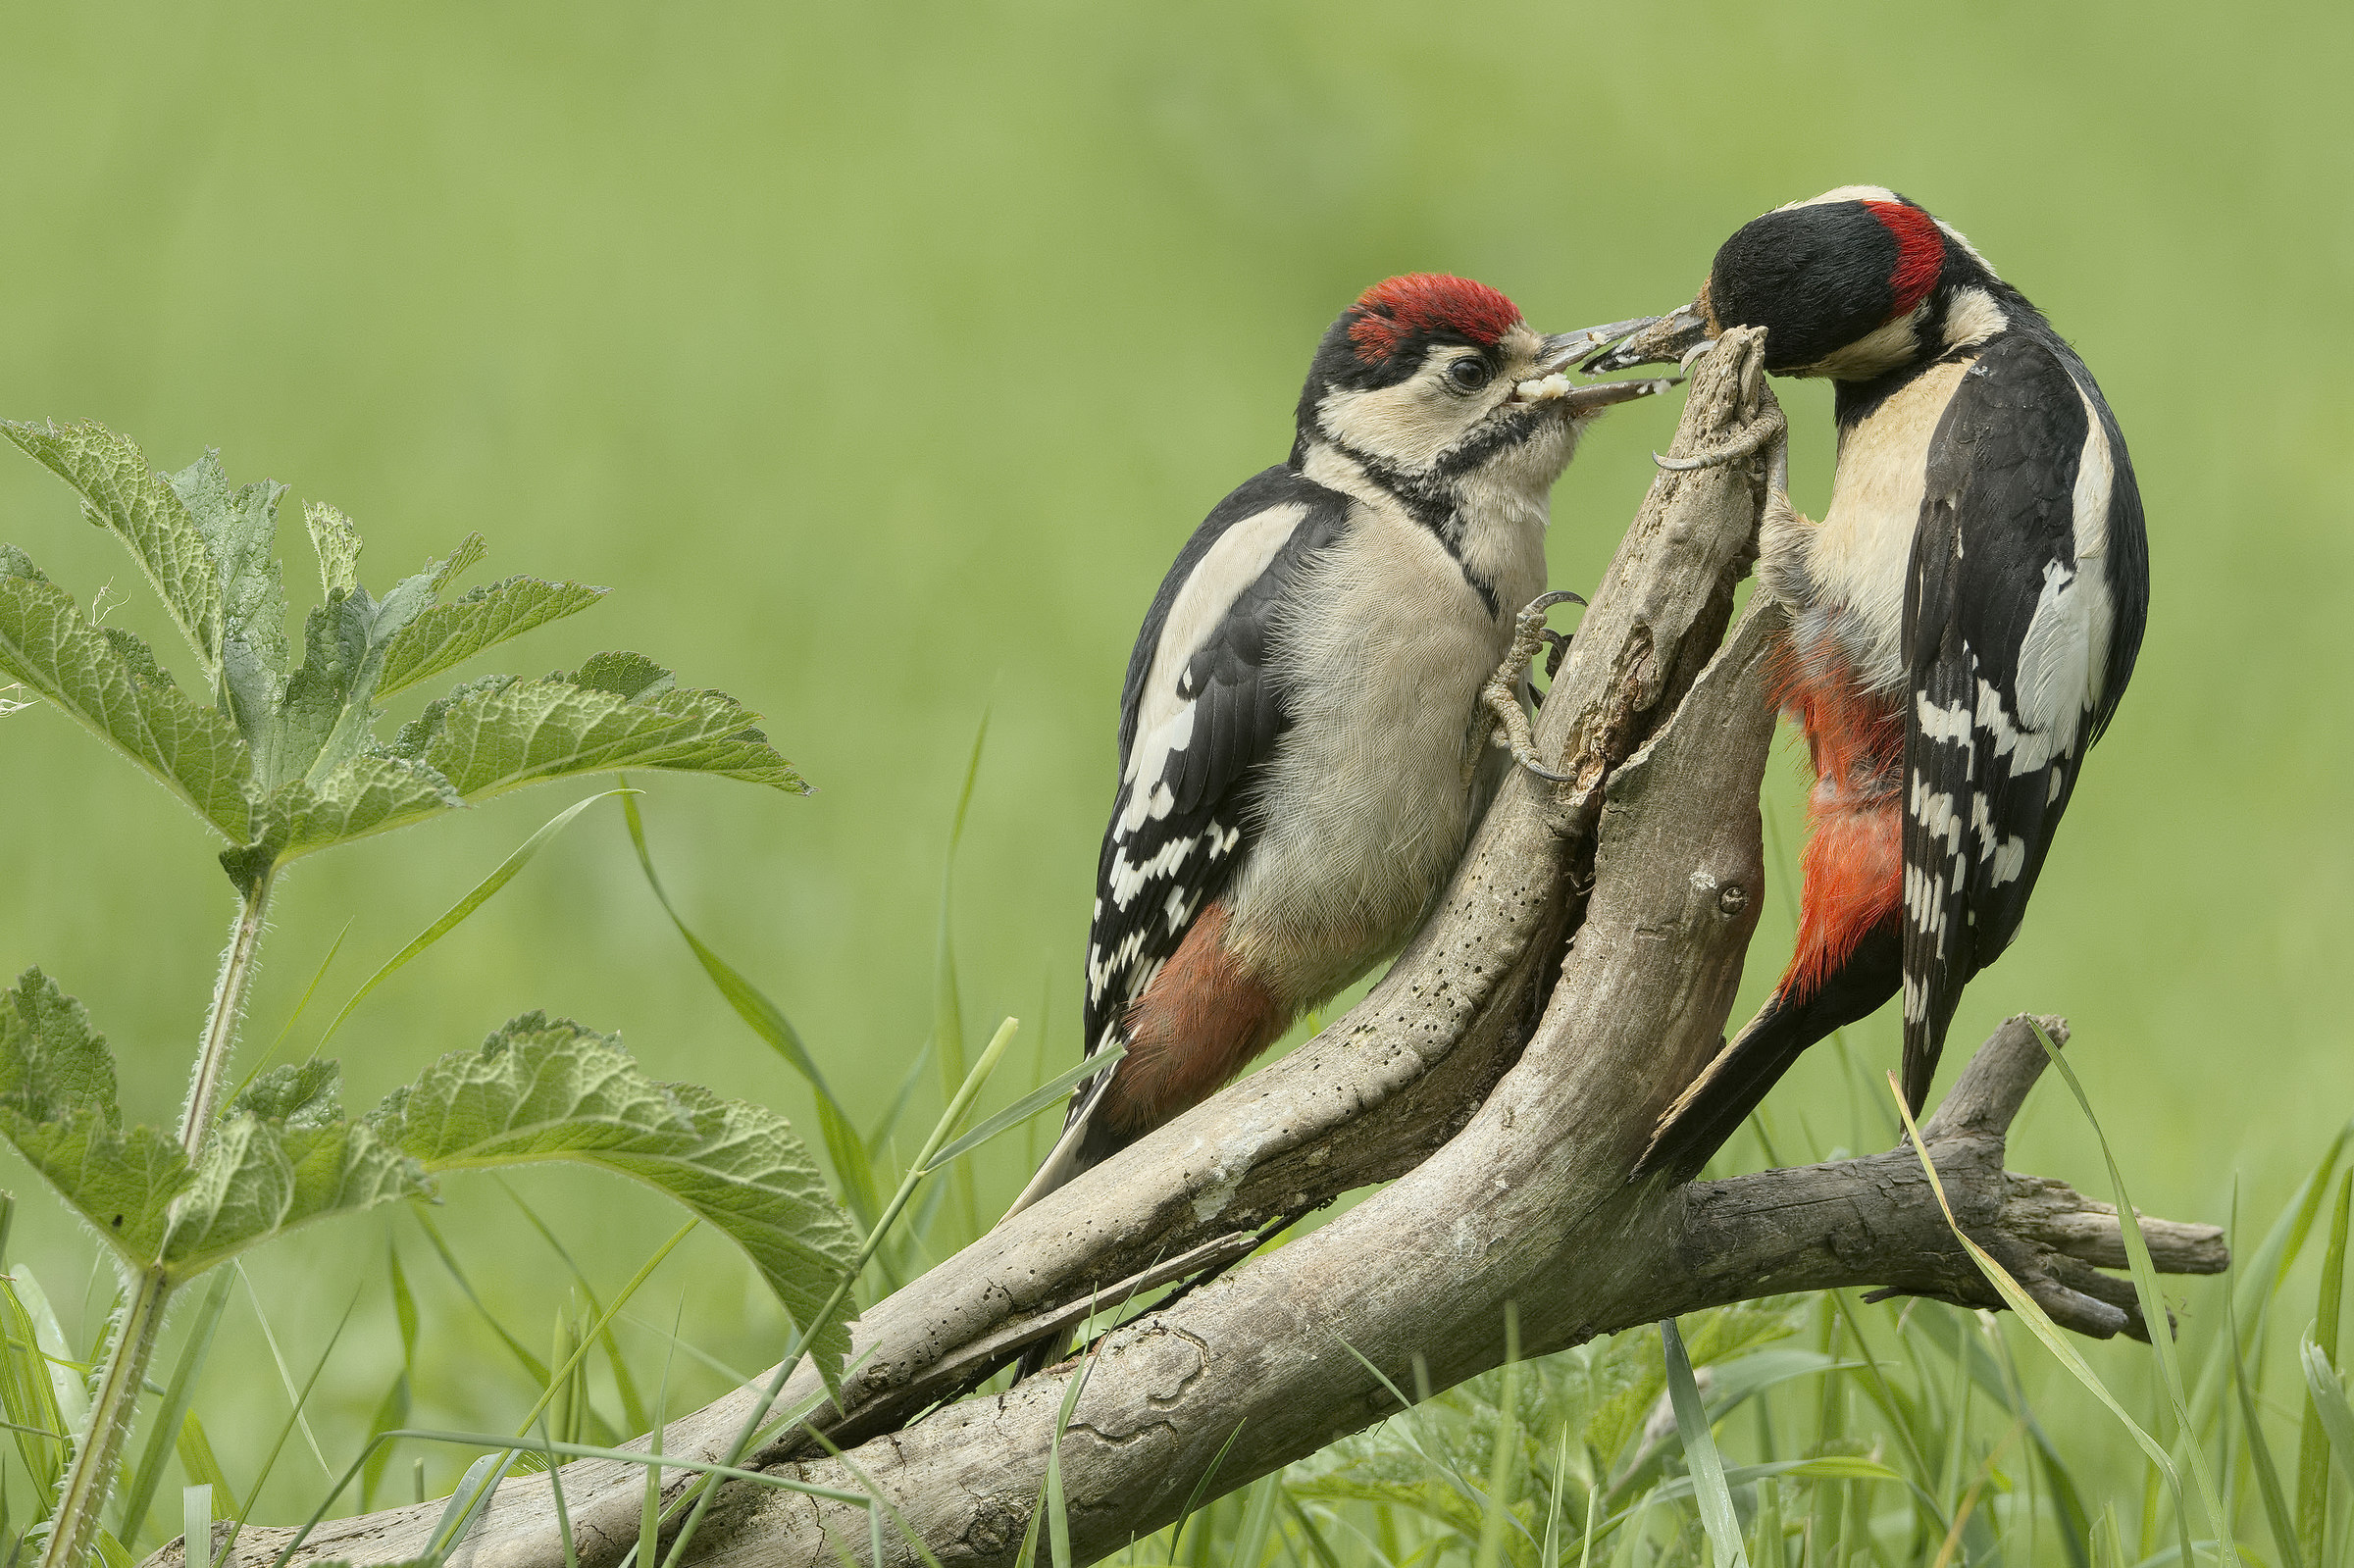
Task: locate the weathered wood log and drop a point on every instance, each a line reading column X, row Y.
column 1502, row 1077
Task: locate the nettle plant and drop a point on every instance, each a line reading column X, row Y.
column 283, row 760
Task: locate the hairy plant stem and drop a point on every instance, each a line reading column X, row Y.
column 91, row 1477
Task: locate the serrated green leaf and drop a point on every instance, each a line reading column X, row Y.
column 545, row 1089
column 336, row 543
column 122, row 1182
column 57, row 1107
column 121, row 493
column 501, row 736
column 300, row 1095
column 329, row 714
column 241, row 531
column 448, row 634
column 108, row 681
column 282, row 1155
column 51, row 1063
column 626, row 675
column 260, row 1176
column 372, row 793
column 439, row 574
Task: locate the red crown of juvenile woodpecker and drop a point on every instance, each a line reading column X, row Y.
column 1919, row 252
column 1419, row 303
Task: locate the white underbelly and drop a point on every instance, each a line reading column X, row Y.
column 1863, row 550
column 1379, row 771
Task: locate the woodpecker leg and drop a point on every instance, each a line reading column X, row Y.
column 1769, row 426
column 1502, row 695
column 1785, row 538
column 1557, row 644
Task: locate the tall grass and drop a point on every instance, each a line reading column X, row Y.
column 1800, row 1431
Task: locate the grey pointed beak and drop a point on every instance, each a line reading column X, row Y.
column 1662, row 339
column 1563, row 349
column 1550, row 382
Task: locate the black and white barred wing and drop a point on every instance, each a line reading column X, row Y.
column 2010, row 622
column 1202, row 709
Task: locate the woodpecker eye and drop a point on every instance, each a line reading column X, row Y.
column 1468, row 374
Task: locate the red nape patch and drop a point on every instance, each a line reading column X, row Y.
column 1919, row 251
column 1853, row 864
column 1397, row 308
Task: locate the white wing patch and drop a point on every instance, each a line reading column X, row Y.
column 1165, row 722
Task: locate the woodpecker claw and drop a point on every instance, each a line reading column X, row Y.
column 1501, row 693
column 1767, row 427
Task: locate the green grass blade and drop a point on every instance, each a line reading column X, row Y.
column 285, row 1376
column 393, row 1411
column 625, row 1387
column 1258, row 1524
column 467, row 1503
column 195, row 1522
column 301, row 1005
column 1317, row 1546
column 917, row 1066
column 178, row 1391
column 948, row 1006
column 1192, row 1499
column 1550, row 1552
column 2153, row 1306
column 29, row 1394
column 1058, row 1519
column 757, row 1418
column 843, row 1147
column 645, row 1272
column 481, row 895
column 2313, row 1457
column 531, row 1366
column 2053, row 1338
column 294, row 1418
column 2276, row 1513
column 1046, row 1095
column 2330, row 1400
column 1714, row 1498
column 1496, row 1512
column 197, row 1457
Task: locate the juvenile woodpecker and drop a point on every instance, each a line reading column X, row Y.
column 1963, row 620
column 1303, row 752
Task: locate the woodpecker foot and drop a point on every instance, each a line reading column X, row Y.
column 1502, row 695
column 1769, row 426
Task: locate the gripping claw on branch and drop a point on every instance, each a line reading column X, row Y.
column 1502, row 695
column 1767, row 427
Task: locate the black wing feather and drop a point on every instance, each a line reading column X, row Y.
column 1996, row 541
column 1192, row 847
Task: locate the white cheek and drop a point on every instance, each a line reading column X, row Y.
column 1410, row 426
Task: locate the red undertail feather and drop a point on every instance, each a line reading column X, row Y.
column 1854, row 860
column 1200, row 1021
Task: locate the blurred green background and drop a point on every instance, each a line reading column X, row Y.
column 880, row 356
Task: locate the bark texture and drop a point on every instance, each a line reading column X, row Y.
column 1502, row 1078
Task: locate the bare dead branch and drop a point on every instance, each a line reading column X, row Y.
column 1502, row 1077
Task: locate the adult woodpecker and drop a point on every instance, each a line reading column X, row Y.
column 1963, row 620
column 1302, row 751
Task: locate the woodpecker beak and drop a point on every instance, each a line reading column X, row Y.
column 1552, row 385
column 1560, row 351
column 1662, row 339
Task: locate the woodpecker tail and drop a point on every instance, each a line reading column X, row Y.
column 1087, row 1142
column 1711, row 1109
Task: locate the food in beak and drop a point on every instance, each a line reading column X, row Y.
column 1662, row 339
column 1589, row 398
